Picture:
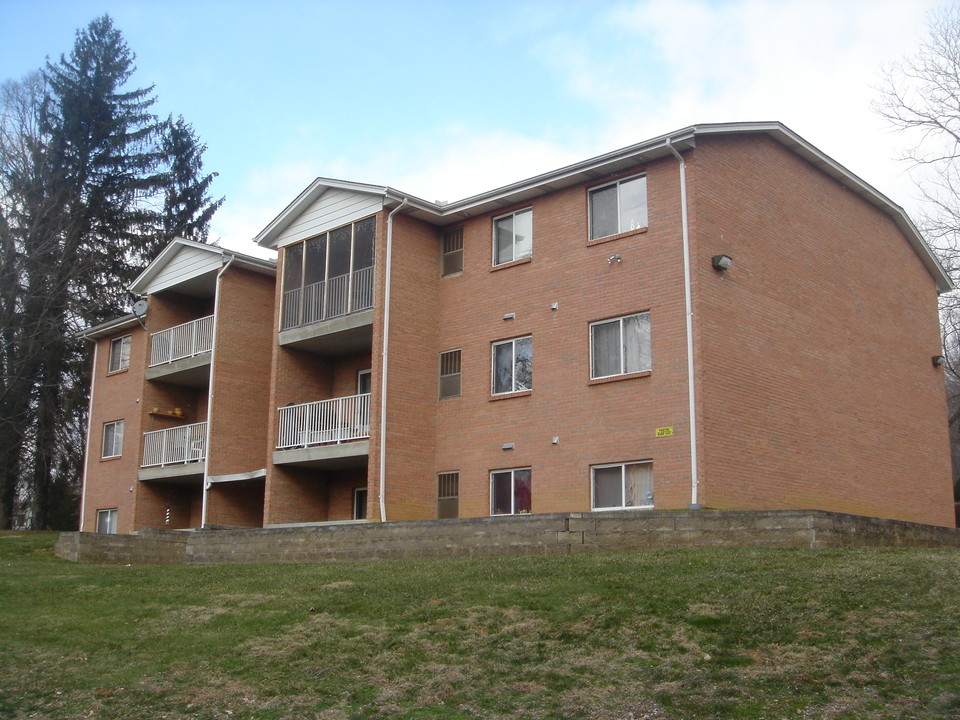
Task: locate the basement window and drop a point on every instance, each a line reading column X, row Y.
column 510, row 491
column 622, row 485
column 107, row 521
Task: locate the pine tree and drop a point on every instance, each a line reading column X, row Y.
column 84, row 166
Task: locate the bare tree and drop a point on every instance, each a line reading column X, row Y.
column 920, row 96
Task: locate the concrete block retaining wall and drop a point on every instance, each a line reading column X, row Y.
column 515, row 535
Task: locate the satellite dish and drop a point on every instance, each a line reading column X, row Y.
column 140, row 308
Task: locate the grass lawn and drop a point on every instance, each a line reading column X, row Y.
column 679, row 634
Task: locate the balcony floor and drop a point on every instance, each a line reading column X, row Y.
column 326, row 457
column 176, row 473
column 192, row 371
column 342, row 335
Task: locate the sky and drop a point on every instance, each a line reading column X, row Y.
column 447, row 99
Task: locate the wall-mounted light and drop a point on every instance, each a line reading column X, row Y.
column 614, row 259
column 721, row 262
column 509, row 316
column 508, row 446
column 938, row 360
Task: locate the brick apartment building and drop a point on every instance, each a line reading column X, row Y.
column 720, row 317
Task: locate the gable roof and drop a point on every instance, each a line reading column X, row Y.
column 187, row 265
column 605, row 164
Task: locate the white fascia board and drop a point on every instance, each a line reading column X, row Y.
column 142, row 282
column 109, row 327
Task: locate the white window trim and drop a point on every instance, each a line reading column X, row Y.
column 592, row 190
column 513, row 365
column 513, row 244
column 513, row 489
column 113, row 343
column 622, row 372
column 111, row 526
column 117, row 452
column 360, row 374
column 623, row 487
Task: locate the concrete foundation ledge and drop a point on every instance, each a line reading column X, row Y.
column 514, row 535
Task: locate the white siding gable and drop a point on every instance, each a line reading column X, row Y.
column 186, row 264
column 333, row 208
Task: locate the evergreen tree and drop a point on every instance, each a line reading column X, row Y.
column 84, row 165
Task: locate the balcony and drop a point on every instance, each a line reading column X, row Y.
column 328, row 434
column 174, row 453
column 181, row 354
column 332, row 317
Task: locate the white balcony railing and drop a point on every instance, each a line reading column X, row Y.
column 327, row 299
column 175, row 446
column 181, row 341
column 324, row 421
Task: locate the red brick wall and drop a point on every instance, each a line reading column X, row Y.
column 412, row 371
column 595, row 422
column 241, row 395
column 116, row 397
column 816, row 381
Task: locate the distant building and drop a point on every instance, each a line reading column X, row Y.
column 528, row 349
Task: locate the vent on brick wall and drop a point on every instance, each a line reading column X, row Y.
column 448, row 495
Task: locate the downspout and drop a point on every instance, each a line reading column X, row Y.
column 213, row 351
column 86, row 452
column 694, row 499
column 383, row 363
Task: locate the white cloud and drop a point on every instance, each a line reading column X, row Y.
column 645, row 68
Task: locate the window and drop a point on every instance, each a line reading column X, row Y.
column 452, row 258
column 618, row 207
column 329, row 275
column 513, row 365
column 112, row 439
column 513, row 237
column 360, row 503
column 624, row 485
column 363, row 382
column 620, row 346
column 510, row 492
column 449, row 374
column 107, row 521
column 448, row 495
column 119, row 354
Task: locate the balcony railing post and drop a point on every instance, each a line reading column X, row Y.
column 324, row 421
column 181, row 341
column 175, row 446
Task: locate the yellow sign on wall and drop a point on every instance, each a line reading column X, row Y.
column 664, row 432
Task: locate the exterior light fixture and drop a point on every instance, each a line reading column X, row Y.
column 938, row 360
column 509, row 316
column 509, row 446
column 721, row 262
column 614, row 259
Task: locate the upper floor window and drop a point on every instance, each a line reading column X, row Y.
column 513, row 236
column 119, row 353
column 329, row 275
column 513, row 365
column 452, row 259
column 620, row 346
column 112, row 439
column 618, row 207
column 450, row 374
